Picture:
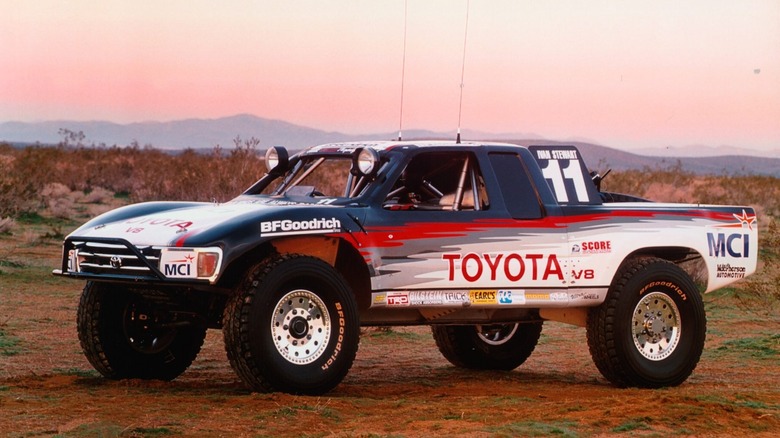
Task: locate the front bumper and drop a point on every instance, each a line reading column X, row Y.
column 116, row 259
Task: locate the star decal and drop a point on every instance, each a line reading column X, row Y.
column 744, row 219
column 190, row 258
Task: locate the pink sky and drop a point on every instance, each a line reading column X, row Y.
column 627, row 74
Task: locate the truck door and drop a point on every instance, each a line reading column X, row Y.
column 462, row 229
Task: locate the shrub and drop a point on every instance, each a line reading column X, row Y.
column 7, row 225
column 98, row 195
column 59, row 199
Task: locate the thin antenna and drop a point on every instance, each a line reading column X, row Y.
column 463, row 69
column 403, row 72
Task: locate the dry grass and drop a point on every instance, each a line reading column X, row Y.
column 71, row 181
column 36, row 178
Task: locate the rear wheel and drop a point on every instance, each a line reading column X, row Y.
column 292, row 326
column 650, row 331
column 487, row 347
column 124, row 335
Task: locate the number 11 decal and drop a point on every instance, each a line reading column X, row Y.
column 572, row 172
column 562, row 168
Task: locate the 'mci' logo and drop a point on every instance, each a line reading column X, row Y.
column 736, row 245
column 179, row 268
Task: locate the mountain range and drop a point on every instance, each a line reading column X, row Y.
column 207, row 133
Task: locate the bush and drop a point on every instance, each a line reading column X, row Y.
column 7, row 225
column 98, row 195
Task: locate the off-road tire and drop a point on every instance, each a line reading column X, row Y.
column 292, row 325
column 650, row 330
column 122, row 336
column 487, row 347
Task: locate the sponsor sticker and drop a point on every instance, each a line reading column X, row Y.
column 286, row 227
column 537, row 296
column 178, row 264
column 735, row 245
column 473, row 267
column 483, row 296
column 728, row 271
column 438, row 298
column 583, row 295
column 397, row 298
column 592, row 247
column 514, row 297
column 559, row 296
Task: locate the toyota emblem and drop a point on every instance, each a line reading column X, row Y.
column 116, row 262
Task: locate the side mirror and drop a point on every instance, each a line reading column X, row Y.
column 276, row 159
column 365, row 161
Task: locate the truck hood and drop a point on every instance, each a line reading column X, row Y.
column 171, row 223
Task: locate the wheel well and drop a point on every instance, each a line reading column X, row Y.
column 336, row 252
column 688, row 259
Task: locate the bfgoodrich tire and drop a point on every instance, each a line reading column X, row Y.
column 292, row 325
column 487, row 347
column 124, row 335
column 650, row 330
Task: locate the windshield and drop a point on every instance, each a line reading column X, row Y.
column 319, row 176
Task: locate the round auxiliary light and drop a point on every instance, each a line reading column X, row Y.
column 275, row 158
column 367, row 160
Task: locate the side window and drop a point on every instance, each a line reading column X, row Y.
column 439, row 181
column 516, row 188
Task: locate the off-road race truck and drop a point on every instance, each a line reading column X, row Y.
column 481, row 241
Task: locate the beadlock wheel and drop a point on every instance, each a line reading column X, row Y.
column 292, row 325
column 301, row 327
column 656, row 326
column 650, row 330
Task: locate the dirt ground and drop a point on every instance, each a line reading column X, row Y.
column 399, row 384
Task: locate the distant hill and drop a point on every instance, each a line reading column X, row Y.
column 601, row 158
column 705, row 151
column 179, row 134
column 207, row 133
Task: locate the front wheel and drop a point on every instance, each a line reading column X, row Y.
column 487, row 347
column 292, row 326
column 124, row 335
column 650, row 331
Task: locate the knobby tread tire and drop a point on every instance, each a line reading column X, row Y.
column 99, row 322
column 462, row 346
column 247, row 335
column 608, row 339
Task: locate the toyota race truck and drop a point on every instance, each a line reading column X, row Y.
column 484, row 242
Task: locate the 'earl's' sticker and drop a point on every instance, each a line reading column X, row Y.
column 483, row 296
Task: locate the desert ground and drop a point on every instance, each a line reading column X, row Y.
column 399, row 384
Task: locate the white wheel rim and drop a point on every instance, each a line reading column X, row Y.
column 300, row 327
column 656, row 326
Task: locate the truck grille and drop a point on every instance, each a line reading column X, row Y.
column 106, row 258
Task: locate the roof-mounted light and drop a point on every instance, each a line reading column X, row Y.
column 365, row 161
column 276, row 159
